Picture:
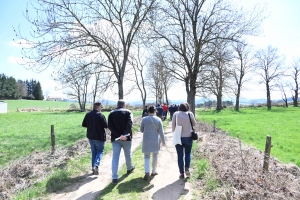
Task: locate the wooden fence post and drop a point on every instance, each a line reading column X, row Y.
column 214, row 126
column 267, row 153
column 52, row 139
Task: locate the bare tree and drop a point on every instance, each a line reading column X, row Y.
column 189, row 29
column 295, row 74
column 22, row 88
column 76, row 82
column 139, row 62
column 268, row 66
column 154, row 74
column 282, row 87
column 220, row 73
column 243, row 66
column 64, row 30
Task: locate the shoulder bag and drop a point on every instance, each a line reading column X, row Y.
column 194, row 134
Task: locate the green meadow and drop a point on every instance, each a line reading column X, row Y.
column 22, row 133
column 253, row 125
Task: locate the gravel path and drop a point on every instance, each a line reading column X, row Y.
column 166, row 185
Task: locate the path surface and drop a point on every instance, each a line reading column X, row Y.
column 166, row 185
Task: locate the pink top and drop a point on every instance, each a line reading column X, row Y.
column 184, row 121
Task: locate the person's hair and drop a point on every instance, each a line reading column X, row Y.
column 121, row 103
column 151, row 109
column 96, row 105
column 184, row 107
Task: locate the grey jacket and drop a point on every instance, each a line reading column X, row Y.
column 152, row 135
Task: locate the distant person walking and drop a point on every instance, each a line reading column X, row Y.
column 171, row 110
column 120, row 125
column 165, row 111
column 95, row 122
column 145, row 112
column 152, row 129
column 183, row 116
column 159, row 111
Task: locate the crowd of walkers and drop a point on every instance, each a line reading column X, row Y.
column 120, row 122
column 163, row 111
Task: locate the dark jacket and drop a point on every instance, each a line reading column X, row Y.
column 95, row 122
column 159, row 111
column 120, row 123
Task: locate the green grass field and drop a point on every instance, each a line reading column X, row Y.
column 252, row 125
column 15, row 105
column 22, row 133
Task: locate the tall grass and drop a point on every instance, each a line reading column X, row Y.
column 252, row 125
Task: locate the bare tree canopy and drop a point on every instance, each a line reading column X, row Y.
column 64, row 30
column 269, row 68
column 295, row 74
column 243, row 64
column 190, row 29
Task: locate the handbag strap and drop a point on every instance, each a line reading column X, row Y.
column 154, row 124
column 191, row 121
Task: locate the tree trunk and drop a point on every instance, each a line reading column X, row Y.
column 296, row 95
column 269, row 105
column 191, row 93
column 237, row 99
column 219, row 101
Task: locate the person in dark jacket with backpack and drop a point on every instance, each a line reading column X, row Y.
column 95, row 122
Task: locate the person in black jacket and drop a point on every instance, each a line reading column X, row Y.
column 120, row 125
column 95, row 122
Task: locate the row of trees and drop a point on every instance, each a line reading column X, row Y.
column 97, row 45
column 12, row 89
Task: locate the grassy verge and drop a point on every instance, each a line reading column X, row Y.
column 252, row 125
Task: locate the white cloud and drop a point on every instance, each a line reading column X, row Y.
column 15, row 60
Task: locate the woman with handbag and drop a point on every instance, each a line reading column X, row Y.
column 152, row 129
column 187, row 120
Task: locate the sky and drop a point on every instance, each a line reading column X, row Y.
column 281, row 29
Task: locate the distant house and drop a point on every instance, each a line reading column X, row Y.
column 3, row 107
column 55, row 98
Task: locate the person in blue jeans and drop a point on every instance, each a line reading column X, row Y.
column 95, row 122
column 120, row 125
column 184, row 150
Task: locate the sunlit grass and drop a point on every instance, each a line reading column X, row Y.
column 253, row 125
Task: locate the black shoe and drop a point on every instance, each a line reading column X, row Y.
column 96, row 171
column 115, row 181
column 131, row 170
column 181, row 176
column 154, row 174
column 147, row 176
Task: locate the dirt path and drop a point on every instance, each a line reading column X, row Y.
column 166, row 185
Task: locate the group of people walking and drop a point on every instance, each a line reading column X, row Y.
column 120, row 121
column 162, row 111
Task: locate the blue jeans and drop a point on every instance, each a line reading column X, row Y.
column 147, row 161
column 97, row 149
column 187, row 143
column 117, row 146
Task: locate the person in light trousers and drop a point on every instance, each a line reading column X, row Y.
column 152, row 129
column 120, row 125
